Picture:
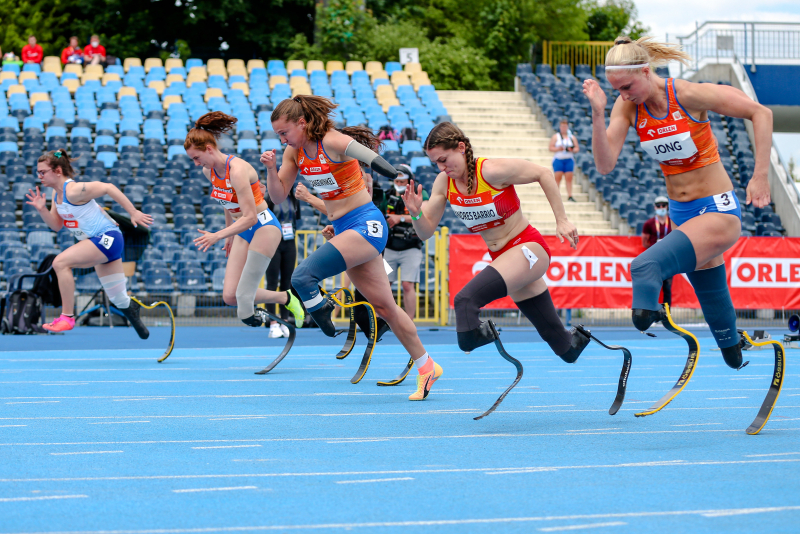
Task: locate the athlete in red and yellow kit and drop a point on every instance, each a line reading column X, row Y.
column 481, row 193
column 671, row 118
column 329, row 160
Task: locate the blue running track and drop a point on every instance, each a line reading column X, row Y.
column 95, row 436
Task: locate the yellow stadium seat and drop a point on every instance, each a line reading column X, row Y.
column 389, row 103
column 412, row 67
column 235, row 64
column 353, row 66
column 378, row 75
column 190, row 80
column 198, row 73
column 275, row 80
column 314, row 64
column 399, row 75
column 373, row 66
column 215, row 63
column 126, row 91
column 15, row 89
column 94, row 69
column 211, row 92
column 131, row 62
column 151, row 62
column 39, row 97
column 238, row 71
column 420, row 78
column 332, row 66
column 158, row 85
column 384, row 89
column 51, row 59
column 27, row 76
column 294, row 81
column 7, row 75
column 73, row 67
column 90, row 76
column 294, row 64
column 55, row 68
column 72, row 84
column 301, row 90
column 243, row 87
column 171, row 99
column 256, row 64
column 218, row 71
column 111, row 77
column 173, row 78
column 172, row 63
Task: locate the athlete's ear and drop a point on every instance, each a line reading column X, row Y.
column 462, row 147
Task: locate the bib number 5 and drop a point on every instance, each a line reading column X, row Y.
column 375, row 229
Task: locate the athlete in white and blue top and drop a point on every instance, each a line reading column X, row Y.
column 100, row 243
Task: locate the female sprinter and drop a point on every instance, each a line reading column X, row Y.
column 564, row 145
column 671, row 118
column 100, row 243
column 481, row 193
column 329, row 160
column 252, row 233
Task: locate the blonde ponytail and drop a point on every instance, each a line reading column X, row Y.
column 645, row 50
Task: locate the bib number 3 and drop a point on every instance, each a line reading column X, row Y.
column 725, row 201
column 375, row 229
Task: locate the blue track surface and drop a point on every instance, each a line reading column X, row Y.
column 96, row 436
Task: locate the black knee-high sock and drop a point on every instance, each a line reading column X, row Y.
column 487, row 286
column 542, row 313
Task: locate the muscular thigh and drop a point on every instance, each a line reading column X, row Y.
column 712, row 234
column 371, row 280
column 355, row 249
column 522, row 279
column 82, row 254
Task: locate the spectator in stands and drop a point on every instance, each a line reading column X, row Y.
column 656, row 229
column 564, row 144
column 285, row 256
column 404, row 248
column 10, row 58
column 94, row 53
column 32, row 52
column 72, row 53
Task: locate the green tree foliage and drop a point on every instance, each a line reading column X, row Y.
column 48, row 20
column 613, row 18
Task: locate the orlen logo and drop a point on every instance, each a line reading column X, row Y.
column 668, row 129
column 589, row 271
column 315, row 169
column 471, row 201
column 773, row 273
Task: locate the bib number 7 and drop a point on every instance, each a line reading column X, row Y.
column 375, row 229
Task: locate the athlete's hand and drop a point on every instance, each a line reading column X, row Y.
column 269, row 159
column 301, row 192
column 565, row 229
column 413, row 198
column 37, row 199
column 227, row 246
column 597, row 97
column 205, row 241
column 138, row 218
column 758, row 191
column 392, row 220
column 328, row 232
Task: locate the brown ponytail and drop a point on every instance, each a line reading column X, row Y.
column 207, row 130
column 644, row 50
column 447, row 135
column 316, row 111
column 58, row 159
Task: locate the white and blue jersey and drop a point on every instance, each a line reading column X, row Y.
column 89, row 221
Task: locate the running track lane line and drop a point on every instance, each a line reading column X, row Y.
column 42, row 498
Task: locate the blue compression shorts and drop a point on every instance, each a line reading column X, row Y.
column 110, row 243
column 368, row 221
column 265, row 218
column 680, row 212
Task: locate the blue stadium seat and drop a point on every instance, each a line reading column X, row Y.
column 192, row 280
column 158, row 280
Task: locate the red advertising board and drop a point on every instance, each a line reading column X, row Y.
column 763, row 272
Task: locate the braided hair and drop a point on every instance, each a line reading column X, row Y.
column 447, row 135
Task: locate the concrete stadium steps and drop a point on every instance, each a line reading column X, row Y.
column 501, row 125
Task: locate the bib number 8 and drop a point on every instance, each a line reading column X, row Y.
column 375, row 229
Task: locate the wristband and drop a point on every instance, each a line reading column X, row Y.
column 417, row 217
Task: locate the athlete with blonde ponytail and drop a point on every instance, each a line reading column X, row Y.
column 252, row 233
column 671, row 118
column 329, row 160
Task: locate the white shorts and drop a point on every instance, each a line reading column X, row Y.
column 407, row 260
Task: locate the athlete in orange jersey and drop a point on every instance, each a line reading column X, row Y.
column 252, row 232
column 329, row 160
column 481, row 193
column 671, row 118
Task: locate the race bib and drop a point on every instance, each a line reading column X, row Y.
column 671, row 143
column 375, row 229
column 225, row 198
column 106, row 241
column 477, row 212
column 288, row 231
column 76, row 232
column 324, row 185
column 264, row 217
column 725, row 201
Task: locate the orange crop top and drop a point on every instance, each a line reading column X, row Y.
column 331, row 180
column 487, row 207
column 678, row 141
column 222, row 191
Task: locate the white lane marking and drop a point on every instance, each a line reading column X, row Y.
column 43, row 498
column 438, row 522
column 85, row 452
column 699, row 424
column 255, row 460
column 373, row 480
column 589, row 385
column 33, row 402
column 196, row 490
column 147, row 399
column 487, row 470
column 227, row 447
column 8, row 426
column 357, row 441
column 773, row 454
column 581, row 527
column 593, row 429
column 553, row 406
column 725, row 398
column 117, row 422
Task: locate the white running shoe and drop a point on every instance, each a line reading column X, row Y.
column 275, row 331
column 285, row 330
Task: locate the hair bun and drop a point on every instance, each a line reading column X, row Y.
column 622, row 40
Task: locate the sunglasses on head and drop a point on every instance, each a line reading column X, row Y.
column 661, row 205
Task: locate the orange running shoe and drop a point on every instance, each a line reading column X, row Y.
column 425, row 382
column 61, row 324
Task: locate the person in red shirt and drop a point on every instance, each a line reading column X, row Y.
column 72, row 53
column 94, row 53
column 32, row 52
column 653, row 231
